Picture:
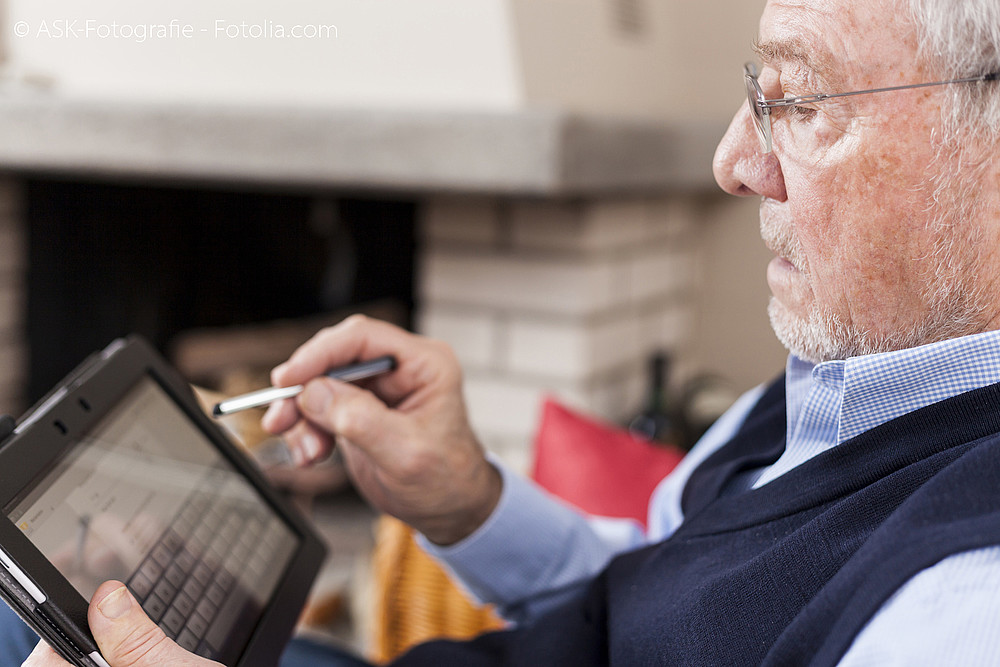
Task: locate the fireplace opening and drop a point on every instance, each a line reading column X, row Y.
column 105, row 260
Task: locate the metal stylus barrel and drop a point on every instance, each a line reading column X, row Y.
column 351, row 373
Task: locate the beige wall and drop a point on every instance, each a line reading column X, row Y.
column 683, row 62
column 733, row 336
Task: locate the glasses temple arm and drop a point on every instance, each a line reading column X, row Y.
column 819, row 97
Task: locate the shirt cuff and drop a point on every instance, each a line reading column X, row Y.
column 522, row 547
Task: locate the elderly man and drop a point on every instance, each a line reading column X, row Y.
column 846, row 514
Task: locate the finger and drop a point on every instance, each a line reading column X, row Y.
column 44, row 656
column 357, row 415
column 126, row 636
column 419, row 361
column 355, row 338
column 280, row 416
column 308, row 444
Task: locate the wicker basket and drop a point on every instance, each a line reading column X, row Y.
column 415, row 599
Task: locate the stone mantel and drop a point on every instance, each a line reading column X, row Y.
column 523, row 153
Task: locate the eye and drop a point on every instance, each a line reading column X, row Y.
column 800, row 112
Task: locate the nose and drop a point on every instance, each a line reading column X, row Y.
column 741, row 168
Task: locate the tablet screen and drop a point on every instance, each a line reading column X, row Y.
column 147, row 499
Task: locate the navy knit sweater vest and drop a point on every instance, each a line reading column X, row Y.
column 786, row 574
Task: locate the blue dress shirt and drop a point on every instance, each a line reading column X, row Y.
column 533, row 552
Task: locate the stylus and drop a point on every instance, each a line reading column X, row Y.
column 99, row 659
column 351, row 373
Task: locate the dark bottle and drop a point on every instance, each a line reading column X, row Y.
column 659, row 421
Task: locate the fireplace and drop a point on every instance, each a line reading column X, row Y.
column 106, row 259
column 555, row 252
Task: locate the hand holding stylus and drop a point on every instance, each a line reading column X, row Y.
column 406, row 439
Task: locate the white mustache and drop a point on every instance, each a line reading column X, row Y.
column 782, row 242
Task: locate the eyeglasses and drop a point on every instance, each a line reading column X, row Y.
column 760, row 108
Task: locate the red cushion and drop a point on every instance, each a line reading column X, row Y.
column 600, row 468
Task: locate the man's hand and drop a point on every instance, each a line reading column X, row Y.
column 405, row 437
column 124, row 633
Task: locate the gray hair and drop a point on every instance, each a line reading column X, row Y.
column 961, row 38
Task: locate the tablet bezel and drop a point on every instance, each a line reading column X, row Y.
column 69, row 412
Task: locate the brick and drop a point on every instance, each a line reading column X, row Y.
column 505, row 413
column 462, row 220
column 503, row 407
column 550, row 349
column 473, row 334
column 567, row 287
column 663, row 271
column 618, row 223
column 668, row 327
column 672, row 217
column 578, row 227
column 572, row 350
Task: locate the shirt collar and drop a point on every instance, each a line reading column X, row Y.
column 877, row 388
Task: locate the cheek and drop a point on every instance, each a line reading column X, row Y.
column 859, row 228
column 817, row 136
column 883, row 244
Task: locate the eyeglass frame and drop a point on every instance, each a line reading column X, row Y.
column 762, row 118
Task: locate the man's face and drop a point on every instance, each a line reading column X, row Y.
column 874, row 249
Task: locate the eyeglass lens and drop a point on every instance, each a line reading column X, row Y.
column 761, row 115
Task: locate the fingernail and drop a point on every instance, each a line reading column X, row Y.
column 316, row 398
column 278, row 370
column 310, row 447
column 116, row 603
column 298, row 458
column 269, row 416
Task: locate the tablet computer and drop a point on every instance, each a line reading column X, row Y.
column 118, row 474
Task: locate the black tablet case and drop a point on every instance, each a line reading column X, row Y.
column 53, row 425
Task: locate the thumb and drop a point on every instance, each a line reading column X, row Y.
column 348, row 411
column 126, row 636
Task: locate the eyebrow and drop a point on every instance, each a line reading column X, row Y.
column 778, row 51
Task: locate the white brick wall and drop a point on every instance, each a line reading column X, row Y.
column 579, row 227
column 567, row 286
column 561, row 298
column 568, row 349
column 467, row 220
column 473, row 334
column 503, row 406
column 658, row 271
